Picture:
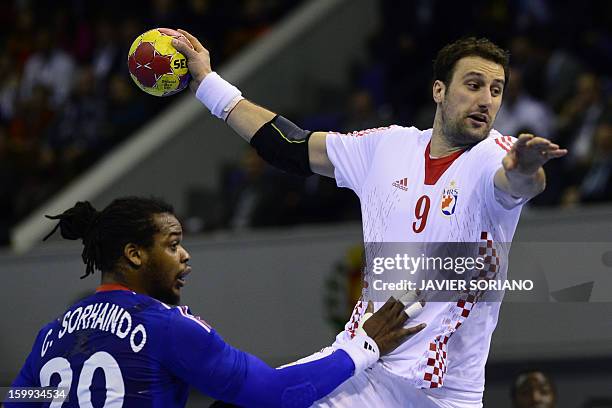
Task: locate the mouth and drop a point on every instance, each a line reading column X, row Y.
column 479, row 118
column 180, row 279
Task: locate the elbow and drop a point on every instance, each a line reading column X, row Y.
column 283, row 145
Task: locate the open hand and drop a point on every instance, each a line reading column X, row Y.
column 386, row 326
column 529, row 153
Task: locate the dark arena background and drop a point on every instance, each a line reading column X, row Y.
column 276, row 259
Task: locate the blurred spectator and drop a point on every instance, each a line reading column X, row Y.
column 560, row 72
column 76, row 135
column 361, row 113
column 253, row 18
column 125, row 112
column 533, row 389
column 532, row 12
column 520, row 111
column 9, row 87
column 257, row 195
column 579, row 117
column 596, row 186
column 65, row 93
column 49, row 66
column 20, row 36
column 30, row 122
column 107, row 56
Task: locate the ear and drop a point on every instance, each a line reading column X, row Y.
column 134, row 254
column 438, row 91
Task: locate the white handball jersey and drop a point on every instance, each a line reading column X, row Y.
column 408, row 197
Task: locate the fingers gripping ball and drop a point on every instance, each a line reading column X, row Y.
column 155, row 65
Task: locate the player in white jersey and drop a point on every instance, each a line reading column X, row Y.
column 460, row 181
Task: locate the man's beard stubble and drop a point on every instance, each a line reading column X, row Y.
column 457, row 134
column 158, row 288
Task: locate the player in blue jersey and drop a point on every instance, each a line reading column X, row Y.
column 129, row 345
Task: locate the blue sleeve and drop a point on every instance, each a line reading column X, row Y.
column 294, row 386
column 199, row 356
column 27, row 377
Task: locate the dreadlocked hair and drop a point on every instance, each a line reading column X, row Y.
column 105, row 233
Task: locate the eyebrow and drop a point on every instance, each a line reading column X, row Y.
column 480, row 75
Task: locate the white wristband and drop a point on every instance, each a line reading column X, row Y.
column 414, row 309
column 363, row 350
column 218, row 95
column 363, row 319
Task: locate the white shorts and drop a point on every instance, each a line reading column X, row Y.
column 377, row 387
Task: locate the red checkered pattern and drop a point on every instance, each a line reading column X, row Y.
column 352, row 325
column 436, row 361
column 491, row 261
column 437, row 353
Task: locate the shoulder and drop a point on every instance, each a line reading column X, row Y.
column 47, row 330
column 182, row 315
column 180, row 326
column 188, row 335
column 380, row 131
column 495, row 144
column 169, row 317
column 388, row 135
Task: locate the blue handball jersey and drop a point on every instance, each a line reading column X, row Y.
column 118, row 348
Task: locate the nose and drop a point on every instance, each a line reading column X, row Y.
column 185, row 256
column 485, row 99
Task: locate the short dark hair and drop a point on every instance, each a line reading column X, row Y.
column 446, row 60
column 105, row 233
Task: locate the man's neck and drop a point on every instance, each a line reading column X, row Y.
column 108, row 287
column 116, row 279
column 440, row 145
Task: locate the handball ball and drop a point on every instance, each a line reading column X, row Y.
column 155, row 65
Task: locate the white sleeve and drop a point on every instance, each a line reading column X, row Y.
column 496, row 200
column 352, row 155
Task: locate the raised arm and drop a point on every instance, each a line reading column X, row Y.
column 279, row 141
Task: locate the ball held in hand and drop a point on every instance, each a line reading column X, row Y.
column 155, row 65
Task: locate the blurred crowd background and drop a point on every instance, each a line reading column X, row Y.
column 66, row 98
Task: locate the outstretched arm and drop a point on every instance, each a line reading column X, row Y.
column 204, row 360
column 521, row 174
column 250, row 120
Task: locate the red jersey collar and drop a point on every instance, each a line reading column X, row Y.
column 434, row 168
column 107, row 287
